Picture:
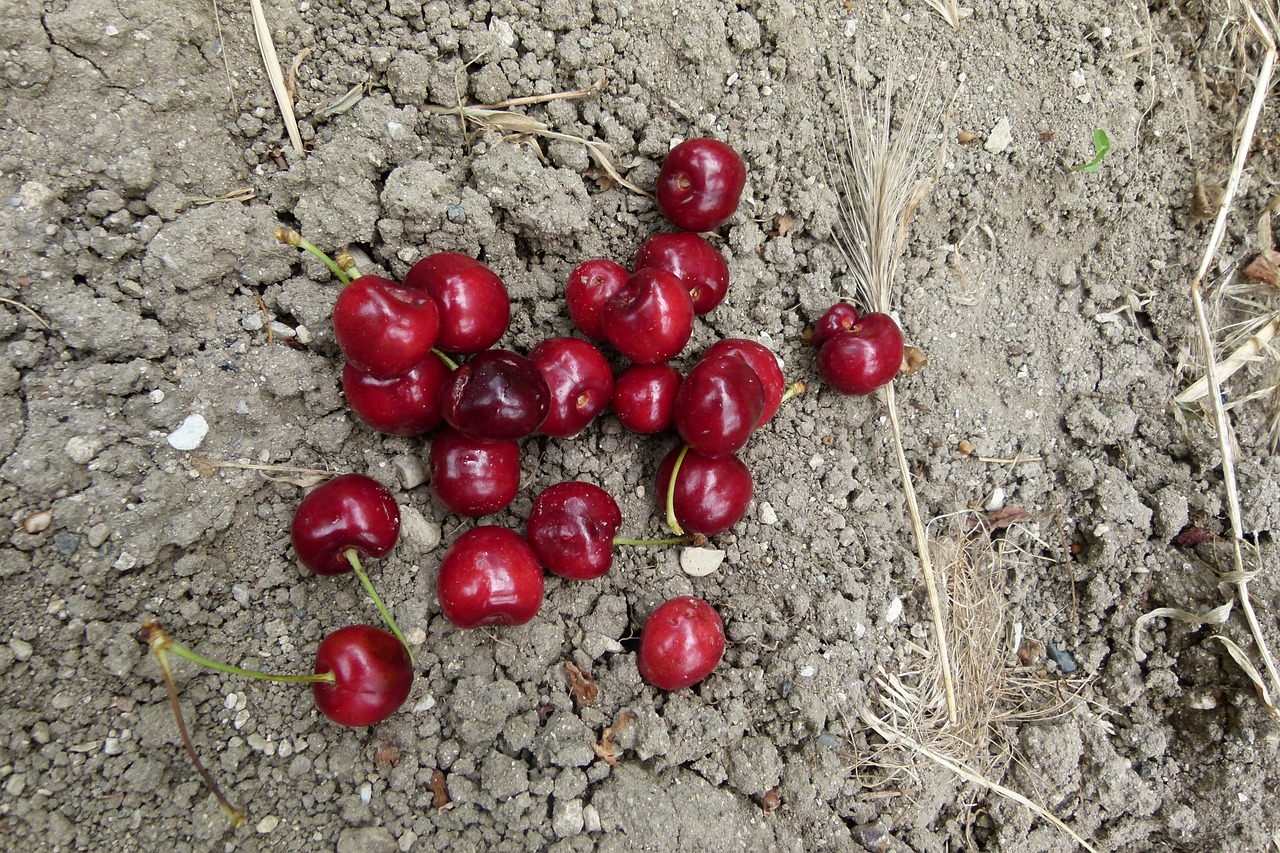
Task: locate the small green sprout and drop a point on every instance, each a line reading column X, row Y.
column 1101, row 145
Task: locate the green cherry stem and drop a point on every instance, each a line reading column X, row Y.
column 165, row 645
column 348, row 264
column 671, row 494
column 353, row 557
column 290, row 237
column 795, row 389
column 448, row 362
column 645, row 543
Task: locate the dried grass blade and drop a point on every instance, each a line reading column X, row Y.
column 1216, row 616
column 1250, row 670
column 267, row 47
column 1247, row 352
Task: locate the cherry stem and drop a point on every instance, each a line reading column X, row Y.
column 160, row 644
column 671, row 494
column 166, row 645
column 348, row 264
column 448, row 362
column 353, row 557
column 290, row 237
column 795, row 389
column 645, row 543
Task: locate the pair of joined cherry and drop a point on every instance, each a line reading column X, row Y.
column 857, row 353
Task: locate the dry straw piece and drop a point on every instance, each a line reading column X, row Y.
column 267, row 47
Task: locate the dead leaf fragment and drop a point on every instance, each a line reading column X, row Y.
column 1031, row 652
column 999, row 519
column 581, row 684
column 1264, row 267
column 782, row 225
column 769, row 801
column 1193, row 535
column 604, row 749
column 386, row 755
column 440, row 798
column 913, row 361
column 964, row 137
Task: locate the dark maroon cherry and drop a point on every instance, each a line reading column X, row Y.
column 489, row 576
column 695, row 261
column 351, row 512
column 700, row 184
column 373, row 675
column 840, row 317
column 405, row 405
column 711, row 494
column 590, row 284
column 864, row 358
column 473, row 476
column 719, row 404
column 762, row 360
column 474, row 306
column 650, row 318
column 681, row 643
column 384, row 329
column 571, row 529
column 497, row 395
column 644, row 397
column 580, row 381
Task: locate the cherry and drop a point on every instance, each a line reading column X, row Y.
column 473, row 302
column 497, row 395
column 840, row 317
column 473, row 476
column 650, row 318
column 765, row 364
column 349, row 514
column 489, row 576
column 718, row 405
column 372, row 674
column 644, row 397
column 700, row 184
column 404, row 405
column 590, row 284
column 709, row 495
column 864, row 358
column 695, row 261
column 580, row 381
column 680, row 644
column 571, row 529
column 384, row 329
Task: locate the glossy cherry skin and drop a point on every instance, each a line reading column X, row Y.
column 765, row 364
column 489, row 576
column 694, row 261
column 348, row 512
column 474, row 306
column 473, row 476
column 373, row 671
column 864, row 358
column 497, row 395
column 719, row 404
column 680, row 644
column 404, row 405
column 650, row 318
column 711, row 494
column 590, row 284
column 839, row 318
column 644, row 397
column 384, row 329
column 579, row 379
column 571, row 529
column 700, row 184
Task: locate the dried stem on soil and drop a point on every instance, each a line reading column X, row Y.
column 1239, row 576
column 877, row 176
column 267, row 47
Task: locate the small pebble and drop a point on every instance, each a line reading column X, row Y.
column 407, row 840
column 894, row 610
column 995, row 501
column 82, row 449
column 455, row 213
column 366, row 793
column 37, row 522
column 242, row 717
column 285, row 749
column 426, row 703
column 252, row 323
column 591, row 818
column 416, row 637
column 156, row 397
column 267, row 824
column 282, row 331
column 98, row 534
column 16, row 785
column 304, row 335
column 1000, row 137
column 416, row 529
column 21, row 649
column 190, row 434
column 241, row 594
column 124, row 562
column 767, row 514
column 111, row 746
column 700, row 562
column 410, row 470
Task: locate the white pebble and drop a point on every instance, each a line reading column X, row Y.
column 995, row 501
column 426, row 703
column 1000, row 137
column 124, row 562
column 591, row 818
column 81, row 449
column 111, row 746
column 16, row 785
column 21, row 649
column 410, row 470
column 282, row 331
column 156, row 397
column 37, row 522
column 252, row 323
column 304, row 335
column 700, row 562
column 366, row 793
column 267, row 824
column 416, row 637
column 230, row 702
column 190, row 434
column 767, row 513
column 242, row 717
column 894, row 610
column 416, row 529
column 407, row 840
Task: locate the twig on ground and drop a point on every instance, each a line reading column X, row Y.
column 267, row 47
column 16, row 304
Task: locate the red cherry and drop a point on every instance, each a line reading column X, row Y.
column 695, row 261
column 762, row 360
column 719, row 404
column 571, row 529
column 580, row 381
column 384, row 329
column 473, row 302
column 497, row 395
column 840, row 317
column 644, row 397
column 489, row 576
column 473, row 476
column 373, row 672
column 405, row 405
column 680, row 644
column 700, row 184
column 711, row 494
column 864, row 358
column 650, row 318
column 590, row 284
column 349, row 512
